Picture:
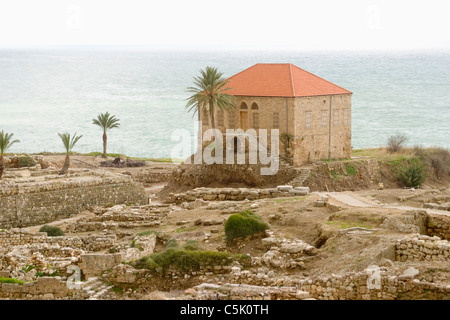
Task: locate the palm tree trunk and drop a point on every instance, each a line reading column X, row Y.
column 2, row 166
column 105, row 138
column 65, row 167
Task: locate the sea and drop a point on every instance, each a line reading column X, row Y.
column 46, row 91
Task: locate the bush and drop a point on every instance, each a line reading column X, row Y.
column 396, row 143
column 26, row 161
column 191, row 245
column 172, row 243
column 52, row 231
column 413, row 174
column 244, row 224
column 184, row 260
column 11, row 280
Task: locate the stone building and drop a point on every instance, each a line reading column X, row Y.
column 283, row 96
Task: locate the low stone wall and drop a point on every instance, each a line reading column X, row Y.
column 209, row 291
column 351, row 286
column 237, row 194
column 42, row 288
column 439, row 226
column 422, row 248
column 39, row 200
column 16, row 237
column 152, row 176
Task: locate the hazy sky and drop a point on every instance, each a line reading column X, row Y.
column 250, row 24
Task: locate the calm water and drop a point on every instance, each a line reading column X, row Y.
column 46, row 91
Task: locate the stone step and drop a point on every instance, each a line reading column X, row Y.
column 102, row 290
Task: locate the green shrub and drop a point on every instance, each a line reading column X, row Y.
column 244, row 224
column 11, row 280
column 52, row 231
column 26, row 161
column 413, row 174
column 184, row 260
column 172, row 243
column 191, row 245
column 351, row 170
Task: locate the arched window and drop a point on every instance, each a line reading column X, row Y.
column 254, row 106
column 244, row 105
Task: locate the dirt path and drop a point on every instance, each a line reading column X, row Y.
column 353, row 200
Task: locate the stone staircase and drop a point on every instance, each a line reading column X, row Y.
column 94, row 289
column 300, row 178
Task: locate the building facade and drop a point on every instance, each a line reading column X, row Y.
column 316, row 112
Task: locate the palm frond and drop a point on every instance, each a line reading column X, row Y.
column 68, row 141
column 208, row 92
column 6, row 141
column 106, row 121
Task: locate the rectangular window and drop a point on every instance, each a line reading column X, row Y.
column 276, row 120
column 220, row 118
column 231, row 120
column 324, row 119
column 256, row 121
column 346, row 117
column 336, row 118
column 308, row 120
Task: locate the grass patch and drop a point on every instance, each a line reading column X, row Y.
column 186, row 229
column 342, row 224
column 52, row 231
column 351, row 170
column 289, row 199
column 244, row 224
column 11, row 280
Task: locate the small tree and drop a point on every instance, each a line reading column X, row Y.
column 396, row 143
column 69, row 143
column 106, row 122
column 6, row 141
column 209, row 95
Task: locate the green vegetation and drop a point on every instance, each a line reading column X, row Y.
column 11, row 280
column 342, row 224
column 52, row 231
column 351, row 170
column 191, row 245
column 244, row 224
column 69, row 142
column 186, row 229
column 106, row 122
column 6, row 141
column 290, row 199
column 209, row 94
column 186, row 259
column 413, row 173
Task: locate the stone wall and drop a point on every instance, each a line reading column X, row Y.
column 314, row 143
column 42, row 288
column 422, row 248
column 209, row 291
column 352, row 286
column 16, row 237
column 438, row 226
column 40, row 200
column 237, row 194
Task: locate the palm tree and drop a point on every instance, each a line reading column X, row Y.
column 208, row 94
column 106, row 122
column 6, row 141
column 69, row 143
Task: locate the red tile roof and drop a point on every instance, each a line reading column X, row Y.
column 280, row 80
